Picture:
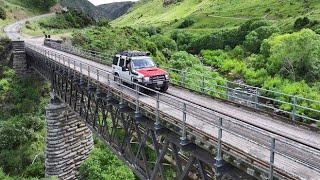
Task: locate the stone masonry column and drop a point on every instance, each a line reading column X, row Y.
column 19, row 62
column 68, row 142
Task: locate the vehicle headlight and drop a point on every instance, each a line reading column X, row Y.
column 146, row 79
column 167, row 76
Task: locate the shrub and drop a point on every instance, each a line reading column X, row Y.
column 237, row 52
column 254, row 39
column 167, row 53
column 104, row 23
column 303, row 61
column 164, row 42
column 40, row 5
column 217, row 40
column 151, row 47
column 300, row 89
column 256, row 61
column 305, row 22
column 103, row 164
column 151, row 30
column 183, row 39
column 182, row 60
column 3, row 14
column 69, row 19
column 186, row 23
column 301, row 22
column 255, row 78
column 214, row 58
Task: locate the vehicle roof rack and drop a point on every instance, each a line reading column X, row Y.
column 134, row 53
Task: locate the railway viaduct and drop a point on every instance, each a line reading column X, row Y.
column 148, row 131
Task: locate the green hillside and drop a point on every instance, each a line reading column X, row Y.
column 14, row 10
column 212, row 14
column 109, row 11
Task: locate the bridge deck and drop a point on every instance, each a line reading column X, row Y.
column 202, row 117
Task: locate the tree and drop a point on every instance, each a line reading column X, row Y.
column 301, row 22
column 254, row 39
column 186, row 23
column 295, row 56
column 3, row 14
column 182, row 60
column 164, row 42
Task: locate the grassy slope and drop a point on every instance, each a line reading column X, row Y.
column 216, row 14
column 34, row 29
column 14, row 12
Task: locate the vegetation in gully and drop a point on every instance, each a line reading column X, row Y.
column 22, row 131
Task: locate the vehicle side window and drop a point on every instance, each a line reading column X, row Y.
column 121, row 64
column 115, row 60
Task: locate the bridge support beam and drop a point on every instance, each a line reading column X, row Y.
column 68, row 141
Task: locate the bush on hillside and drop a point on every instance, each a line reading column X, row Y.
column 104, row 165
column 305, row 22
column 183, row 39
column 225, row 38
column 169, row 2
column 301, row 22
column 254, row 39
column 186, row 23
column 43, row 5
column 182, row 60
column 151, row 30
column 22, row 124
column 3, row 14
column 163, row 42
column 294, row 56
column 68, row 19
column 104, row 23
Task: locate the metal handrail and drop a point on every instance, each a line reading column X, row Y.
column 257, row 103
column 92, row 71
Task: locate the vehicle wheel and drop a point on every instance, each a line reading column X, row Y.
column 165, row 87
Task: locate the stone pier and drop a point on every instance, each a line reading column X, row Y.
column 19, row 62
column 68, row 141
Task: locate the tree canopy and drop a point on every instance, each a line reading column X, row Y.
column 295, row 56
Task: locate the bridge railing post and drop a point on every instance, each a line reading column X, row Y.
column 137, row 113
column 98, row 76
column 256, row 99
column 157, row 123
column 183, row 139
column 218, row 157
column 202, row 83
column 88, row 71
column 121, row 104
column 226, row 87
column 272, row 152
column 182, row 78
column 294, row 108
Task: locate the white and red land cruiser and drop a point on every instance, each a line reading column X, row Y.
column 138, row 67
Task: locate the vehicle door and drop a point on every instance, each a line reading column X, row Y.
column 120, row 68
column 115, row 63
column 127, row 71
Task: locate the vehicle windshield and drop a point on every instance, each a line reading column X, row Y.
column 142, row 63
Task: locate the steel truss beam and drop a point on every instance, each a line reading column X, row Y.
column 135, row 140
